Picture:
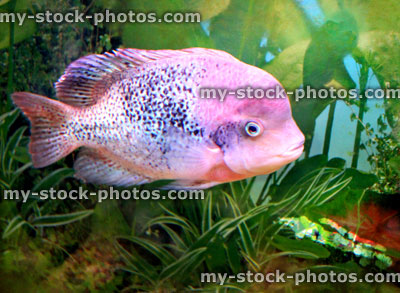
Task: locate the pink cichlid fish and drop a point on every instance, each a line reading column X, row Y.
column 138, row 117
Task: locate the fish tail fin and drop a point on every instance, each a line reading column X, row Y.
column 50, row 140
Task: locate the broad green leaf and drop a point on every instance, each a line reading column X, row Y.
column 338, row 163
column 287, row 66
column 240, row 28
column 207, row 8
column 323, row 63
column 285, row 23
column 2, row 2
column 382, row 15
column 374, row 14
column 58, row 220
column 330, row 44
column 348, row 198
column 370, row 15
column 384, row 58
column 161, row 35
column 298, row 172
column 361, row 180
column 22, row 32
column 394, row 163
column 305, row 248
column 108, row 220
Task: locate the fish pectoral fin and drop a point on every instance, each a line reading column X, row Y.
column 195, row 161
column 95, row 167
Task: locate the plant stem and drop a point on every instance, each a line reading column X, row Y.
column 363, row 102
column 360, row 127
column 328, row 130
column 10, row 83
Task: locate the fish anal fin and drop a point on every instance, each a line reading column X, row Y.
column 94, row 166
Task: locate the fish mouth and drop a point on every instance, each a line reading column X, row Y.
column 294, row 151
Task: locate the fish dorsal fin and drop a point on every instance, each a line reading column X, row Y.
column 145, row 56
column 86, row 80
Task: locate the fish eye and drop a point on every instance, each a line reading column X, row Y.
column 253, row 129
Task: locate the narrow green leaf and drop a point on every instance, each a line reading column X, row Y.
column 180, row 222
column 57, row 220
column 21, row 154
column 10, row 148
column 19, row 171
column 16, row 223
column 244, row 232
column 157, row 250
column 233, row 256
column 53, row 179
column 137, row 264
column 187, row 263
column 178, row 241
column 206, row 222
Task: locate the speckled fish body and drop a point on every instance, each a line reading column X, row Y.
column 138, row 117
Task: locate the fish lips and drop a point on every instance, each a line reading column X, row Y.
column 276, row 162
column 294, row 152
column 272, row 164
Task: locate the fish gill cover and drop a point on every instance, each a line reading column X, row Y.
column 84, row 174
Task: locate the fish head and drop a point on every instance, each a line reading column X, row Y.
column 260, row 136
column 260, row 148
